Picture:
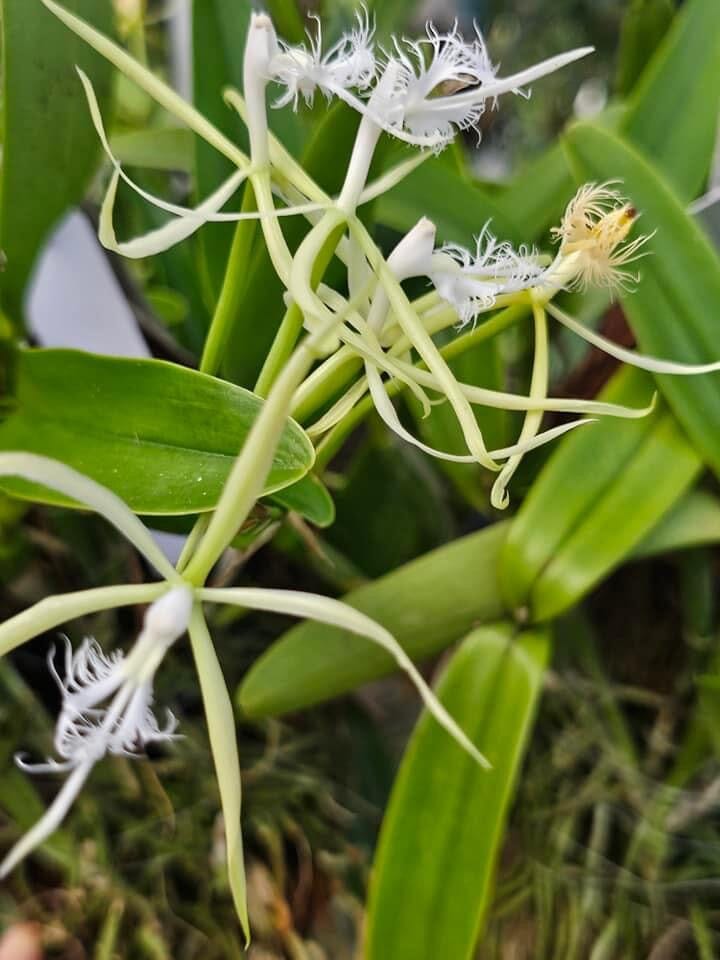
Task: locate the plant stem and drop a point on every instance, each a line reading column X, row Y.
column 533, row 418
column 292, row 322
column 332, row 442
column 233, row 289
column 253, row 463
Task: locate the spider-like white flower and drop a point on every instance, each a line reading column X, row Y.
column 348, row 64
column 438, row 94
column 593, row 236
column 106, row 709
column 472, row 283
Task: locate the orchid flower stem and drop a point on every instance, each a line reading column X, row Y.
column 292, row 322
column 533, row 418
column 335, row 438
column 330, row 377
column 247, row 477
column 274, row 238
column 233, row 289
column 253, row 463
column 423, row 343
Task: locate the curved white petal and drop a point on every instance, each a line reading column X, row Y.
column 653, row 364
column 51, row 819
column 299, row 604
column 52, row 611
column 71, row 483
column 223, row 743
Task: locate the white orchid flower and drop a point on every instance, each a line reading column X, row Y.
column 471, row 283
column 106, row 709
column 348, row 65
column 421, row 111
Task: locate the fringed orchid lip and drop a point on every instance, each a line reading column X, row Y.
column 303, row 69
column 106, row 709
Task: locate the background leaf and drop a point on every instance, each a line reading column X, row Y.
column 432, row 878
column 595, row 499
column 49, row 146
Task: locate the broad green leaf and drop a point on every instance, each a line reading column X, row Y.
column 433, row 874
column 672, row 114
column 162, row 437
column 49, row 147
column 390, row 508
column 644, row 25
column 675, row 308
column 308, row 497
column 426, row 605
column 457, row 206
column 694, row 521
column 595, row 499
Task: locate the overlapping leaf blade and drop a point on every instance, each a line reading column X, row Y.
column 160, row 436
column 433, row 874
column 44, row 121
column 597, row 497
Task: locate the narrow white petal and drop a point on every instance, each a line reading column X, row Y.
column 223, row 743
column 57, row 476
column 338, row 614
column 55, row 610
column 653, row 364
column 171, row 233
column 50, row 821
column 516, row 81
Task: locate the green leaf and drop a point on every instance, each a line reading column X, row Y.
column 426, row 605
column 694, row 521
column 308, row 497
column 672, row 114
column 457, row 205
column 644, row 25
column 162, row 437
column 595, row 499
column 49, row 147
column 432, row 879
column 675, row 308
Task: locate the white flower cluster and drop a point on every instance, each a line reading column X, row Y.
column 433, row 87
